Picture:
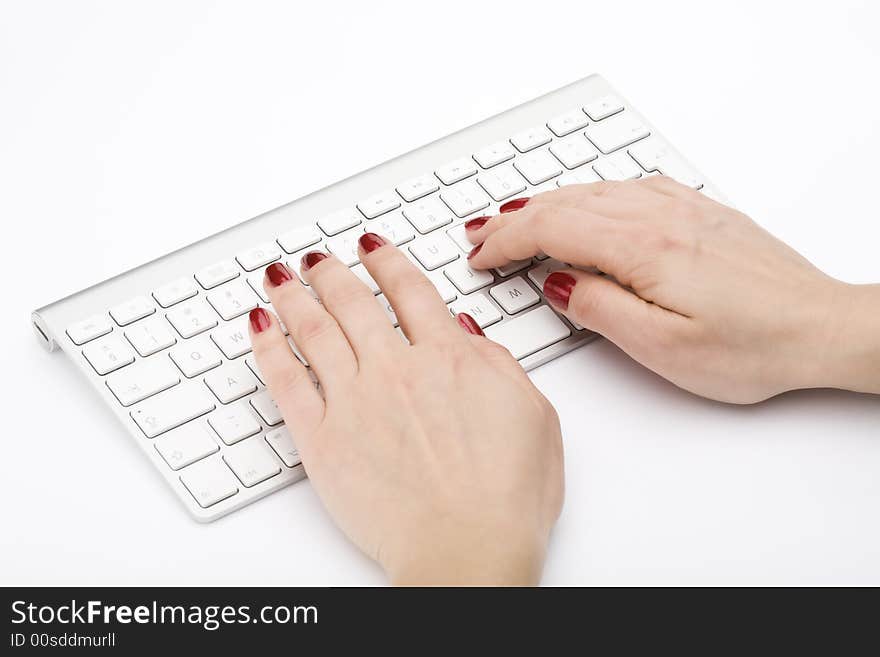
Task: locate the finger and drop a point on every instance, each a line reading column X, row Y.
column 314, row 331
column 354, row 307
column 668, row 187
column 421, row 312
column 286, row 378
column 493, row 352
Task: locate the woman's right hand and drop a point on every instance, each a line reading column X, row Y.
column 700, row 293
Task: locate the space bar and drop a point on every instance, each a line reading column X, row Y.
column 529, row 333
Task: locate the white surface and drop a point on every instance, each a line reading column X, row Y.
column 127, row 133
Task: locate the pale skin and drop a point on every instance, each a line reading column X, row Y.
column 441, row 460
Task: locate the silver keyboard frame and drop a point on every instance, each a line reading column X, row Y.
column 50, row 321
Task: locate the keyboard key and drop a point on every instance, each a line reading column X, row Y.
column 513, row 267
column 603, row 107
column 89, row 329
column 514, row 295
column 231, row 382
column 299, row 238
column 416, row 188
column 281, row 441
column 502, row 182
column 252, row 364
column 530, row 332
column 266, row 407
column 143, row 379
column 258, row 256
column 540, row 273
column 188, row 444
column 171, row 408
column 495, row 154
column 616, row 132
column 654, row 155
column 467, row 280
column 619, row 166
column 574, row 151
column 361, row 272
column 345, row 247
column 233, row 300
column 385, row 305
column 530, row 139
column 217, row 274
column 252, row 462
column 434, row 251
column 150, row 336
column 195, row 356
column 538, row 167
column 478, row 306
column 379, row 204
column 233, row 338
column 108, row 354
column 192, row 318
column 581, row 176
column 339, row 221
column 209, row 481
column 234, row 423
column 175, row 292
column 132, row 310
column 444, row 287
column 255, row 280
column 565, row 124
column 428, row 214
column 465, row 198
column 459, row 169
column 459, row 236
column 393, row 227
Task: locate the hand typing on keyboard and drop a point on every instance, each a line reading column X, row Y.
column 434, row 453
column 694, row 290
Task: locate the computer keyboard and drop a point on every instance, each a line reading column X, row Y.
column 166, row 344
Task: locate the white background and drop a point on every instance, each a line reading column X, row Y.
column 128, row 130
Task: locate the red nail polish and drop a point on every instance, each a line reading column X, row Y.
column 278, row 274
column 476, row 224
column 558, row 287
column 513, row 204
column 259, row 319
column 311, row 259
column 370, row 242
column 468, row 324
column 475, row 250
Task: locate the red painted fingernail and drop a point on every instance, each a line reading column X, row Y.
column 558, row 287
column 311, row 259
column 469, row 324
column 278, row 274
column 476, row 224
column 259, row 320
column 513, row 204
column 475, row 250
column 370, row 242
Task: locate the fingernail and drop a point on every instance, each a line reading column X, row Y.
column 558, row 287
column 259, row 319
column 476, row 224
column 278, row 274
column 370, row 242
column 468, row 324
column 513, row 204
column 311, row 259
column 475, row 250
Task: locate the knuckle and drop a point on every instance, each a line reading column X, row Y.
column 586, row 300
column 311, row 326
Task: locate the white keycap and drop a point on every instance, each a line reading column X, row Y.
column 574, row 151
column 89, row 329
column 233, row 299
column 231, row 382
column 494, row 154
column 379, row 204
column 216, row 274
column 192, row 317
column 531, row 332
column 172, row 408
column 188, row 444
column 616, row 132
column 618, row 166
column 339, row 221
column 478, row 306
column 175, row 291
column 513, row 267
column 465, row 198
column 385, row 305
column 132, row 310
column 281, row 441
column 393, row 227
column 299, row 238
column 467, row 280
column 108, row 354
column 565, row 124
column 418, row 187
column 540, row 273
column 428, row 214
column 459, row 169
column 538, row 167
column 150, row 336
column 531, row 138
column 267, row 408
column 502, row 182
column 434, row 251
column 258, row 256
column 345, row 247
column 252, row 461
column 514, row 295
column 209, row 481
column 143, row 379
column 195, row 356
column 655, row 155
column 361, row 272
column 233, row 338
column 255, row 280
column 444, row 287
column 581, row 176
column 603, row 107
column 459, row 236
column 233, row 423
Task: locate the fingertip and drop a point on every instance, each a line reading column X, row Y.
column 469, row 324
column 259, row 320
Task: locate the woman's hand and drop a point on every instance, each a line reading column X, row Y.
column 438, row 458
column 703, row 296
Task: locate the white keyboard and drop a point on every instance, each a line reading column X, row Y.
column 166, row 344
